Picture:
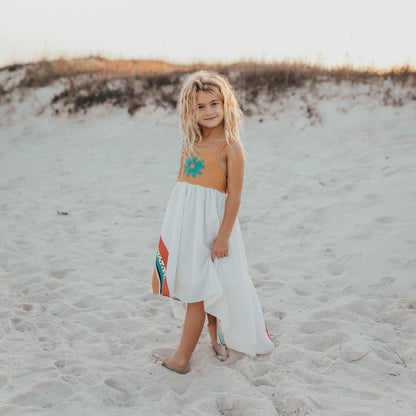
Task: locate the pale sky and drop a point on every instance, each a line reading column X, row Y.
column 362, row 32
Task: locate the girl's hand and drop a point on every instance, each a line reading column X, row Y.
column 219, row 248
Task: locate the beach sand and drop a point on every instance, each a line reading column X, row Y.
column 328, row 219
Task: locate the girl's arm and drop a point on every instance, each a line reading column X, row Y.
column 235, row 171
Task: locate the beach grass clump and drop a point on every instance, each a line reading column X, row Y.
column 132, row 84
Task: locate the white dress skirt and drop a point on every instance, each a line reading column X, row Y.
column 184, row 270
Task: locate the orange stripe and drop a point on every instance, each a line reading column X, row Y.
column 267, row 331
column 165, row 288
column 155, row 282
column 163, row 252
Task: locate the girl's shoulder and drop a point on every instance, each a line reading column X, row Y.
column 235, row 148
column 236, row 144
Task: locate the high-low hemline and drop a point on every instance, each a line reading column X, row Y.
column 184, row 269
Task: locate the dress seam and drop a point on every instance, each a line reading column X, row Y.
column 202, row 186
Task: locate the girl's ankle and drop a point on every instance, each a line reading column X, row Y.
column 180, row 361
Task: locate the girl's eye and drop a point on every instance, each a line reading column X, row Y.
column 201, row 106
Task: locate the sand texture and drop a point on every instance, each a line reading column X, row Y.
column 328, row 216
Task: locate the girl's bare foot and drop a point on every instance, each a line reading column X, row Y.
column 221, row 351
column 172, row 364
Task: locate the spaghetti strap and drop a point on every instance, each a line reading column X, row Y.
column 222, row 147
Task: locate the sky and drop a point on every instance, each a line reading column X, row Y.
column 379, row 33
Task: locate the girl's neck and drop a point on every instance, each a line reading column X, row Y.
column 209, row 133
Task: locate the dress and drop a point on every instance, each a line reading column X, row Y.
column 184, row 269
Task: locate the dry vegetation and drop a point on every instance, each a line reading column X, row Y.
column 132, row 84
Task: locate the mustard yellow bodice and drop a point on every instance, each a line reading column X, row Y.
column 204, row 168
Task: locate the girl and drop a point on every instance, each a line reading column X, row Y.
column 201, row 258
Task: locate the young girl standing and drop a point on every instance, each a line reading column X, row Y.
column 200, row 257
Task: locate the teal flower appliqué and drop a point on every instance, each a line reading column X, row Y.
column 193, row 166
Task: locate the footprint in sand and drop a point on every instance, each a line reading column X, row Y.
column 389, row 220
column 109, row 245
column 301, row 292
column 323, row 341
column 229, row 405
column 313, row 327
column 65, row 367
column 27, row 307
column 44, row 394
column 60, row 273
column 60, row 363
column 339, row 266
column 91, row 302
column 115, row 384
column 328, row 252
column 400, row 262
column 262, row 267
column 371, row 199
column 273, row 312
column 361, row 307
column 322, row 298
column 261, row 374
column 263, row 381
column 20, row 325
column 122, row 396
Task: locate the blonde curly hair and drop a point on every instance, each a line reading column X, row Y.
column 218, row 85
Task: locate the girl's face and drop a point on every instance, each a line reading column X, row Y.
column 210, row 109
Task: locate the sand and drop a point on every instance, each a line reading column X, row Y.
column 328, row 219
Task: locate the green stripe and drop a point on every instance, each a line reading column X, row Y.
column 220, row 336
column 160, row 273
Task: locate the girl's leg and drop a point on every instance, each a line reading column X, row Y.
column 220, row 350
column 192, row 328
column 212, row 329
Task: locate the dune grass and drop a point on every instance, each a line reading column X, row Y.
column 133, row 83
